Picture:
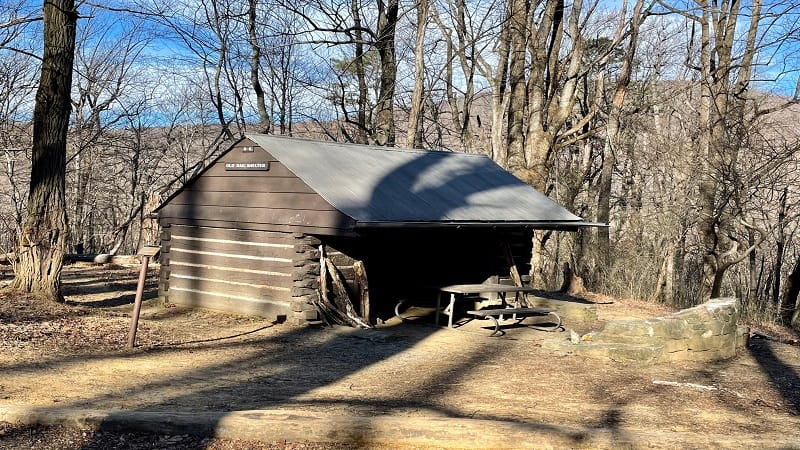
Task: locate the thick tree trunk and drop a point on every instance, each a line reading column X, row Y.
column 539, row 154
column 43, row 238
column 500, row 99
column 515, row 137
column 722, row 114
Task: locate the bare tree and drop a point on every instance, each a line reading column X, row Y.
column 285, row 72
column 255, row 66
column 613, row 124
column 726, row 70
column 388, row 11
column 466, row 30
column 106, row 73
column 415, row 113
column 345, row 24
column 43, row 238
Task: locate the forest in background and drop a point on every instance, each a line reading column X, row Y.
column 674, row 122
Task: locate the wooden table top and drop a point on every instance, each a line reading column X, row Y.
column 488, row 287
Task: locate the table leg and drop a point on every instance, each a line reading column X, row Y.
column 452, row 307
column 438, row 308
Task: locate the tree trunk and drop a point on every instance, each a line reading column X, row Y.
column 255, row 64
column 43, row 238
column 515, row 138
column 500, row 100
column 358, row 62
column 222, row 56
column 539, row 240
column 791, row 296
column 613, row 132
column 414, row 131
column 604, row 195
column 780, row 244
column 722, row 116
column 669, row 286
column 752, row 269
column 790, row 314
column 387, row 23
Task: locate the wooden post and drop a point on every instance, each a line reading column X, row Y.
column 146, row 253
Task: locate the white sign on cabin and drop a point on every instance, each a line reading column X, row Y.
column 260, row 166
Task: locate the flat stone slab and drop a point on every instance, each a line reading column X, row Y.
column 394, row 431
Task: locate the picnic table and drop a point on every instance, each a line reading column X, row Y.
column 460, row 291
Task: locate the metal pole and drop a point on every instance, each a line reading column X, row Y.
column 137, row 305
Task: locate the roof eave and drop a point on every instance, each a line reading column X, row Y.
column 538, row 225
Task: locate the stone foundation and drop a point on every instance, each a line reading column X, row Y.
column 703, row 333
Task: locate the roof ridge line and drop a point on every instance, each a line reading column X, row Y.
column 370, row 146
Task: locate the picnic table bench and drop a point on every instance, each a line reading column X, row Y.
column 497, row 314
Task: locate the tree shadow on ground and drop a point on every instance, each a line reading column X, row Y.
column 290, row 368
column 98, row 285
column 120, row 300
column 783, row 377
column 287, row 370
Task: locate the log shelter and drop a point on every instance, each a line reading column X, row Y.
column 246, row 235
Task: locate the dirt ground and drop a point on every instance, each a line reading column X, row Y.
column 74, row 356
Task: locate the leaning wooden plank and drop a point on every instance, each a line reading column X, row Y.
column 363, row 290
column 328, row 310
column 322, row 302
column 512, row 266
column 514, row 272
column 342, row 299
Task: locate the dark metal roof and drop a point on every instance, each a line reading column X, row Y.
column 380, row 186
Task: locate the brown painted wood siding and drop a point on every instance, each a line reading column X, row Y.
column 273, row 199
column 240, row 271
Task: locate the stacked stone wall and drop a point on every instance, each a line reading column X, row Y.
column 703, row 333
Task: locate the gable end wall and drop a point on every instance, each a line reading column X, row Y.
column 253, row 199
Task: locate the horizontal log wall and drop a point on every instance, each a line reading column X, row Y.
column 247, row 272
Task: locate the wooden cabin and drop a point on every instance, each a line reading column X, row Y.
column 245, row 235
